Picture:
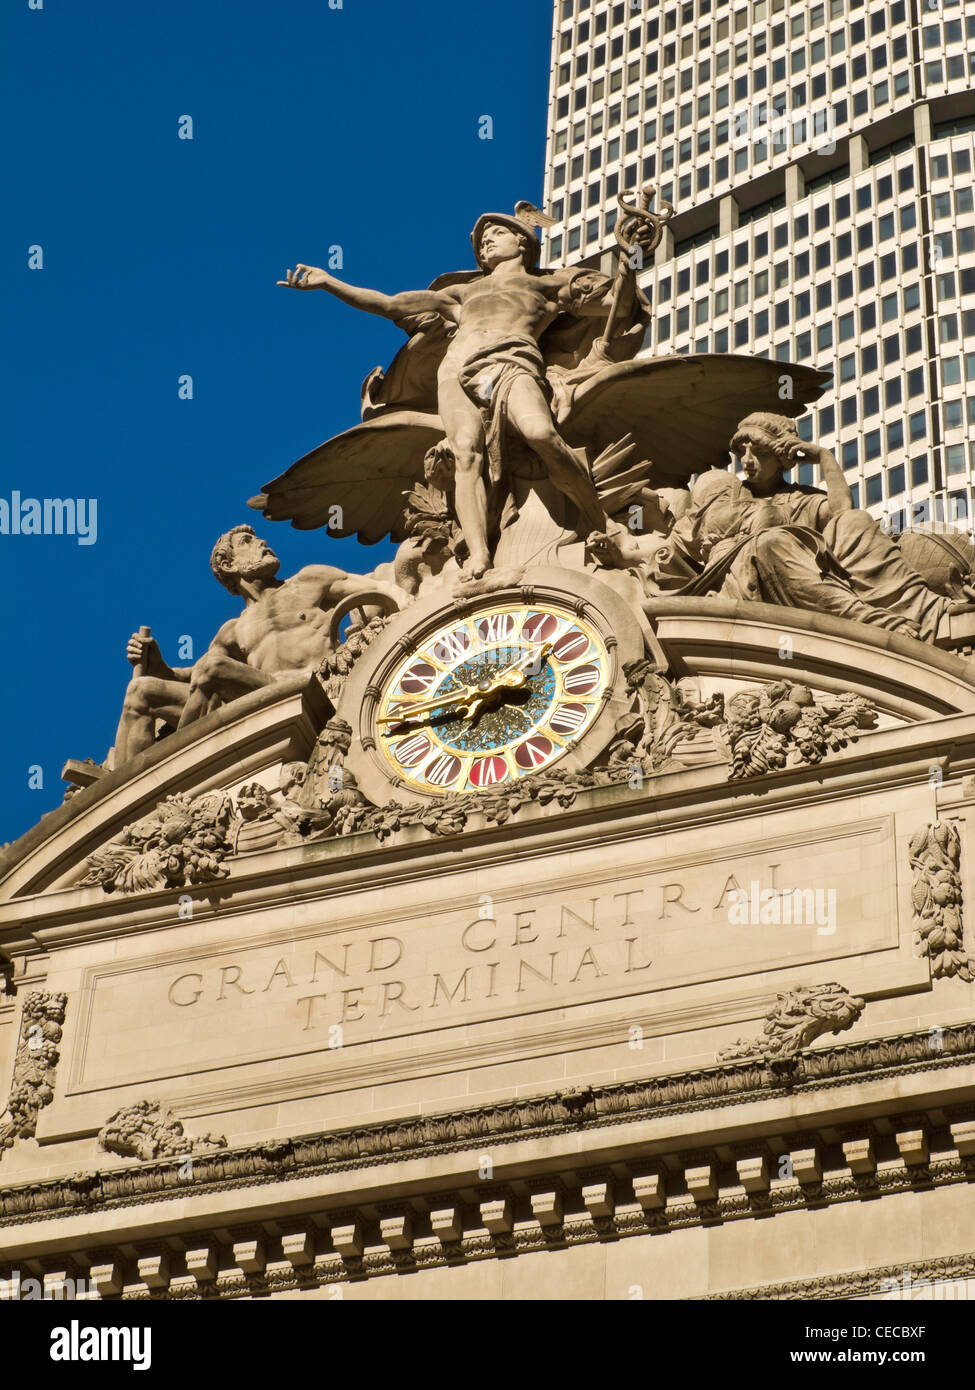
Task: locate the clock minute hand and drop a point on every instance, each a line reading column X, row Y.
column 513, row 677
column 518, row 668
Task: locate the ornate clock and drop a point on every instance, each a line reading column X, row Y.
column 467, row 697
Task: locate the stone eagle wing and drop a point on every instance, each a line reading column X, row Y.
column 363, row 472
column 682, row 410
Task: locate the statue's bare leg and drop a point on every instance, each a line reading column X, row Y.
column 216, row 680
column 147, row 699
column 465, row 434
column 529, row 412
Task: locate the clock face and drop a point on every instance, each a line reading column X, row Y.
column 492, row 697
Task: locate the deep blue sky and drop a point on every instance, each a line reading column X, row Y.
column 312, row 127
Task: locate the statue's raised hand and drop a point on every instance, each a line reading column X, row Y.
column 305, row 277
column 803, row 451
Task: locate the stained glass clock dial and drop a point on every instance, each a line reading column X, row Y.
column 467, row 695
column 491, row 697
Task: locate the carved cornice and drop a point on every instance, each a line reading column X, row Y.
column 537, row 1117
column 861, row 1282
column 329, row 1248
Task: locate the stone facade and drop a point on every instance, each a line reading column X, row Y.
column 609, row 1015
column 587, row 883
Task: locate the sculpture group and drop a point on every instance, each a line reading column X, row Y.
column 518, row 427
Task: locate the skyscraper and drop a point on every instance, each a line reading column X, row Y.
column 820, row 160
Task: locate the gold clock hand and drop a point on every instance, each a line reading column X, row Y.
column 409, row 713
column 529, row 660
column 503, row 680
column 511, row 678
column 473, row 697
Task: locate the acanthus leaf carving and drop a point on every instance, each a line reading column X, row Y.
column 799, row 1017
column 665, row 716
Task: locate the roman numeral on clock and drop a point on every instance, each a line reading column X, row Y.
column 497, row 627
column 412, row 751
column 540, row 627
column 582, row 681
column 534, row 752
column 488, row 772
column 451, row 646
column 569, row 719
column 571, row 645
column 419, row 679
column 443, row 770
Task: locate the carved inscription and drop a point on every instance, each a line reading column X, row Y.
column 408, row 969
column 517, row 955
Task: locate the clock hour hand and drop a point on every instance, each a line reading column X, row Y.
column 409, row 713
column 513, row 677
column 473, row 698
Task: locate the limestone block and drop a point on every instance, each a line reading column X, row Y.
column 701, row 1183
column 547, row 1208
column 598, row 1198
column 860, row 1156
column 913, row 1146
column 496, row 1216
column 446, row 1224
column 201, row 1262
column 55, row 1280
column 107, row 1278
column 298, row 1247
column 154, row 1270
column 249, row 1256
column 806, row 1166
column 753, row 1174
column 963, row 1137
column 397, row 1231
column 348, row 1240
column 650, row 1191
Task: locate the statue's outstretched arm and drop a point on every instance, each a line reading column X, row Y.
column 387, row 306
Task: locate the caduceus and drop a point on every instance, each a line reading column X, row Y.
column 640, row 229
